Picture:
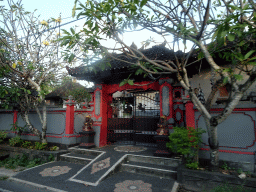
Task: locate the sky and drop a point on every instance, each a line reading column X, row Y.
column 53, row 8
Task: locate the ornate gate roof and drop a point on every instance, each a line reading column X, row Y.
column 115, row 70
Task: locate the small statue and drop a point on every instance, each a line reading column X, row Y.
column 88, row 123
column 163, row 126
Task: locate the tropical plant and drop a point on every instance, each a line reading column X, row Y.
column 80, row 94
column 26, row 144
column 18, row 129
column 22, row 161
column 40, row 146
column 185, row 141
column 15, row 141
column 3, row 135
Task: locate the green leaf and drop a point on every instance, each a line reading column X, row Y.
column 223, row 33
column 249, row 54
column 231, row 37
column 233, row 7
column 241, row 43
column 122, row 83
column 72, row 30
column 225, row 80
column 65, row 31
column 215, row 34
column 251, row 63
column 143, row 2
column 130, row 82
column 28, row 91
column 72, row 56
column 74, row 10
column 201, row 55
column 238, row 77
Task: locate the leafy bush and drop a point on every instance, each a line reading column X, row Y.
column 27, row 144
column 54, row 148
column 186, row 141
column 193, row 165
column 15, row 141
column 13, row 163
column 51, row 157
column 40, row 146
column 79, row 94
column 3, row 135
column 18, row 129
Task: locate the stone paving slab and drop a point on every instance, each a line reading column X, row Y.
column 121, row 181
column 61, row 175
column 100, row 167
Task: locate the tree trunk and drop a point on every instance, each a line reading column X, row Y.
column 30, row 126
column 214, row 149
column 213, row 143
column 44, row 127
column 214, row 159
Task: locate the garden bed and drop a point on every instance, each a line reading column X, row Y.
column 32, row 153
column 205, row 180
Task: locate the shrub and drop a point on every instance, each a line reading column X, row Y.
column 51, row 157
column 18, row 129
column 13, row 163
column 3, row 135
column 54, row 148
column 40, row 146
column 26, row 144
column 15, row 141
column 186, row 141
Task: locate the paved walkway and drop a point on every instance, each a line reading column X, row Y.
column 67, row 176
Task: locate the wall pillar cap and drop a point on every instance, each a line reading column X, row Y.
column 70, row 101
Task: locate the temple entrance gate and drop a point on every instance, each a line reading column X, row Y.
column 135, row 115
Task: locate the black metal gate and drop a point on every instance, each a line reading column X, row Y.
column 135, row 118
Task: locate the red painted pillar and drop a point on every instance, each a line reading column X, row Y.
column 190, row 114
column 70, row 115
column 15, row 116
column 105, row 100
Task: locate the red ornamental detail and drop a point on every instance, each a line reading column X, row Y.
column 145, row 85
column 181, row 114
column 230, row 151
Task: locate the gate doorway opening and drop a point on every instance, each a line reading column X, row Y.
column 135, row 115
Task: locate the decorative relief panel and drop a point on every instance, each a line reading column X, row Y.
column 97, row 103
column 165, row 101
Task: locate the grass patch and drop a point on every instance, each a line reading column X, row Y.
column 228, row 188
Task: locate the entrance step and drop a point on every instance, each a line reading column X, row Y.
column 81, row 156
column 154, row 166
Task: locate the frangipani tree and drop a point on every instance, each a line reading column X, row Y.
column 207, row 28
column 30, row 60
